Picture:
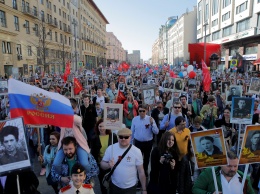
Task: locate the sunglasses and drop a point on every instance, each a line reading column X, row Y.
column 141, row 111
column 177, row 107
column 123, row 137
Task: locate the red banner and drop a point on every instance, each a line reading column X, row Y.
column 67, row 71
column 77, row 86
column 120, row 97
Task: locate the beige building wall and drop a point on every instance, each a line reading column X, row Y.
column 92, row 30
column 115, row 52
column 155, row 52
column 43, row 26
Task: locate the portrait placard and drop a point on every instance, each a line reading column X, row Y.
column 233, row 91
column 44, row 82
column 209, row 148
column 129, row 81
column 145, row 80
column 13, row 147
column 242, row 110
column 250, row 150
column 178, row 84
column 192, row 84
column 89, row 81
column 121, row 87
column 254, row 86
column 214, row 86
column 113, row 116
column 3, row 87
column 148, row 94
column 224, row 86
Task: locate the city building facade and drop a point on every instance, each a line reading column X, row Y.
column 155, row 53
column 42, row 36
column 235, row 24
column 179, row 35
column 115, row 52
column 134, row 58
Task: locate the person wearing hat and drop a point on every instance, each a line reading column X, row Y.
column 124, row 177
column 77, row 186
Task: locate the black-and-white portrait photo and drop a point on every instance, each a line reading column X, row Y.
column 254, row 86
column 149, row 97
column 242, row 108
column 209, row 145
column 145, row 80
column 129, row 81
column 234, row 91
column 214, row 86
column 253, row 140
column 192, row 84
column 240, row 82
column 44, row 82
column 13, row 146
column 113, row 114
column 89, row 81
column 3, row 87
column 170, row 83
column 224, row 86
column 178, row 84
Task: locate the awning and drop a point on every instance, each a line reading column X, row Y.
column 256, row 61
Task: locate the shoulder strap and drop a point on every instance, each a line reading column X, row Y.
column 118, row 161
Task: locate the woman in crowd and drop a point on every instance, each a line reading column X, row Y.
column 207, row 144
column 164, row 98
column 196, row 126
column 209, row 113
column 224, row 122
column 130, row 110
column 48, row 158
column 101, row 140
column 164, row 166
column 157, row 96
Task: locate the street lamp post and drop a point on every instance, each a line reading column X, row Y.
column 204, row 25
column 75, row 37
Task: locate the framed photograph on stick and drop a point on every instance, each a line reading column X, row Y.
column 242, row 110
column 148, row 95
column 254, row 86
column 3, row 87
column 13, row 147
column 113, row 116
column 250, row 149
column 209, row 148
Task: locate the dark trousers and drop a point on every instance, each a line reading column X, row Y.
column 145, row 147
column 113, row 189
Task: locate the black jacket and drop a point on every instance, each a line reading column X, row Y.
column 27, row 180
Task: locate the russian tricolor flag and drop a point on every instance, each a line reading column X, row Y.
column 38, row 106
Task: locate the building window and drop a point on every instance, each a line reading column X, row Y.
column 258, row 1
column 2, row 18
column 251, row 49
column 216, row 35
column 29, row 51
column 226, row 16
column 27, row 27
column 206, row 16
column 3, row 47
column 68, row 5
column 42, row 2
column 16, row 23
column 15, row 4
column 56, row 36
column 69, row 41
column 214, row 7
column 226, row 3
column 65, row 39
column 50, row 34
column 198, row 31
column 227, row 31
column 42, row 15
column 242, row 7
column 215, row 22
column 61, row 38
column 8, row 48
column 233, row 50
column 243, row 25
column 60, row 12
column 36, row 29
column 54, row 8
column 199, row 18
column 63, row 2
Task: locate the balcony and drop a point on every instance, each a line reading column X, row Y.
column 52, row 22
column 67, row 29
column 29, row 11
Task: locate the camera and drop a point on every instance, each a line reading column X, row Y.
column 167, row 157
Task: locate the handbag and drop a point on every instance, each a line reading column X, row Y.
column 107, row 177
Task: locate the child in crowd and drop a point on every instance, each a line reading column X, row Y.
column 99, row 111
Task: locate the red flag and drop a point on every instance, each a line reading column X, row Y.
column 120, row 97
column 67, row 71
column 77, row 86
column 206, row 77
column 240, row 63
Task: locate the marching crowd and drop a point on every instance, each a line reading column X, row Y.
column 152, row 152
